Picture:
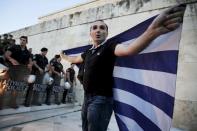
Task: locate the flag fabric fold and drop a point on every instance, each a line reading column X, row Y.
column 144, row 84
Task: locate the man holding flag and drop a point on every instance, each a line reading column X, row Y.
column 99, row 63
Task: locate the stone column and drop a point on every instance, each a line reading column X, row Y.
column 185, row 111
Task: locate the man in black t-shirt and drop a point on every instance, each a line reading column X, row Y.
column 40, row 61
column 50, row 87
column 4, row 45
column 29, row 92
column 99, row 62
column 2, row 61
column 6, row 42
column 71, row 72
column 19, row 59
column 0, row 39
column 70, row 77
column 18, row 54
column 57, row 71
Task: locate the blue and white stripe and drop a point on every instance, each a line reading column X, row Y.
column 144, row 84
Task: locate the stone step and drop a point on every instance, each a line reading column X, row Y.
column 22, row 115
column 23, row 109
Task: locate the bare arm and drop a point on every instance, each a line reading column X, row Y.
column 68, row 76
column 10, row 59
column 72, row 59
column 167, row 21
column 74, row 81
column 55, row 72
column 38, row 67
column 30, row 64
column 63, row 72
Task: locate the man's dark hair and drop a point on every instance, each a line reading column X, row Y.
column 5, row 35
column 10, row 35
column 24, row 37
column 101, row 21
column 13, row 41
column 44, row 49
column 57, row 56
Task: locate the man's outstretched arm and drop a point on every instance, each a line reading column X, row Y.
column 72, row 59
column 167, row 21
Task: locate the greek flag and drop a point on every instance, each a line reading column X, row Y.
column 144, row 84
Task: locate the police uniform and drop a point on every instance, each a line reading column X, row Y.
column 71, row 95
column 58, row 67
column 18, row 72
column 42, row 62
column 4, row 45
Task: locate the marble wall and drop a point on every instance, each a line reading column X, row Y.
column 77, row 8
column 185, row 111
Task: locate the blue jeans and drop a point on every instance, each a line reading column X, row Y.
column 96, row 113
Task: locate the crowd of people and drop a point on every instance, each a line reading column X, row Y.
column 47, row 79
